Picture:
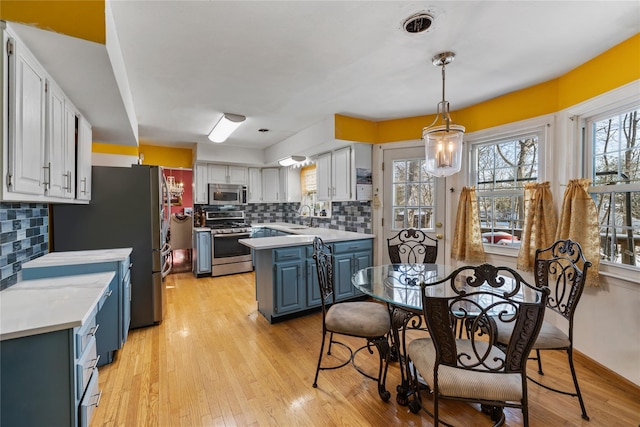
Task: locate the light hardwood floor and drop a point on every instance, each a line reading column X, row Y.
column 215, row 361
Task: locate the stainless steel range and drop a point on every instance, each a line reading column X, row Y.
column 228, row 256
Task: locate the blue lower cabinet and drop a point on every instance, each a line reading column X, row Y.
column 114, row 316
column 51, row 379
column 202, row 253
column 290, row 287
column 287, row 278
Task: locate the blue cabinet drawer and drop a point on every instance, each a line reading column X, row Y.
column 84, row 368
column 85, row 334
column 90, row 401
column 353, row 246
column 287, row 254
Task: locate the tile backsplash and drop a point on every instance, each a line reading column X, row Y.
column 24, row 235
column 346, row 216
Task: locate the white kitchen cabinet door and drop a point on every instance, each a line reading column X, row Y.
column 83, row 178
column 323, row 177
column 217, row 174
column 55, row 153
column 341, row 174
column 237, row 175
column 290, row 185
column 271, row 185
column 70, row 135
column 254, row 189
column 27, row 118
column 200, row 184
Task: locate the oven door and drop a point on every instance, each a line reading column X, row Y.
column 226, row 248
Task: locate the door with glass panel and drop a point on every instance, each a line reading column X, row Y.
column 412, row 198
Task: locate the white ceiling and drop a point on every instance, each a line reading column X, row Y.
column 286, row 65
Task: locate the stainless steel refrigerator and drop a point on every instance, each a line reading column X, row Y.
column 128, row 208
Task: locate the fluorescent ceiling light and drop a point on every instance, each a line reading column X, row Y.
column 291, row 160
column 227, row 124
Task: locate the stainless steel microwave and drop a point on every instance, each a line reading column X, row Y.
column 227, row 194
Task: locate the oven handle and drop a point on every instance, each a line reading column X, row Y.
column 232, row 235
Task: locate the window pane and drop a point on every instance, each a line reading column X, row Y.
column 399, row 171
column 398, row 218
column 413, row 169
column 398, row 194
column 502, row 169
column 413, row 194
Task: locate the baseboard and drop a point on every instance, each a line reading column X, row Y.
column 594, row 366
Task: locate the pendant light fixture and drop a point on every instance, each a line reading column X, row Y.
column 443, row 141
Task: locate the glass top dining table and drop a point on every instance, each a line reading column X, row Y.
column 399, row 284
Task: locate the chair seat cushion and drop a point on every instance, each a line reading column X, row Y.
column 461, row 382
column 361, row 319
column 550, row 336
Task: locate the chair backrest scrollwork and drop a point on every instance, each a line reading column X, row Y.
column 563, row 268
column 324, row 265
column 483, row 299
column 412, row 246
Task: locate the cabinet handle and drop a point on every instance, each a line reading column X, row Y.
column 69, row 184
column 97, row 401
column 95, row 363
column 109, row 293
column 47, row 176
column 94, row 330
column 84, row 185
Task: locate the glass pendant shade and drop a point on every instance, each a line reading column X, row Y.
column 443, row 142
column 443, row 149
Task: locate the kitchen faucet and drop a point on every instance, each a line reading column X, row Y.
column 310, row 222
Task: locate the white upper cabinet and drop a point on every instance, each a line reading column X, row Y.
column 83, row 175
column 39, row 141
column 323, row 177
column 200, row 183
column 290, row 185
column 60, row 157
column 336, row 172
column 341, row 175
column 237, row 175
column 271, row 185
column 26, row 83
column 224, row 174
column 254, row 189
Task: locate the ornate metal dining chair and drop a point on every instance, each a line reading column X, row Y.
column 412, row 246
column 361, row 319
column 473, row 369
column 563, row 268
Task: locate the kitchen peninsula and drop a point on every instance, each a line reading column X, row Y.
column 286, row 278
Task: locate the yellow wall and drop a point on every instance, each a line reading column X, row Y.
column 171, row 157
column 83, row 19
column 615, row 67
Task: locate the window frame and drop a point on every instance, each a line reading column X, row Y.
column 539, row 127
column 585, row 125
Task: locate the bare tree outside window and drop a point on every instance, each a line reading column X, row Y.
column 413, row 195
column 501, row 170
column 616, row 185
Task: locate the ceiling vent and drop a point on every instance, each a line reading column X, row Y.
column 418, row 23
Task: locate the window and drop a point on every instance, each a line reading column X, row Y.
column 614, row 168
column 500, row 169
column 310, row 195
column 413, row 195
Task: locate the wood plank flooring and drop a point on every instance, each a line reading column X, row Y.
column 215, row 361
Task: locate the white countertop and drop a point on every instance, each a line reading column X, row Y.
column 33, row 307
column 301, row 235
column 79, row 257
